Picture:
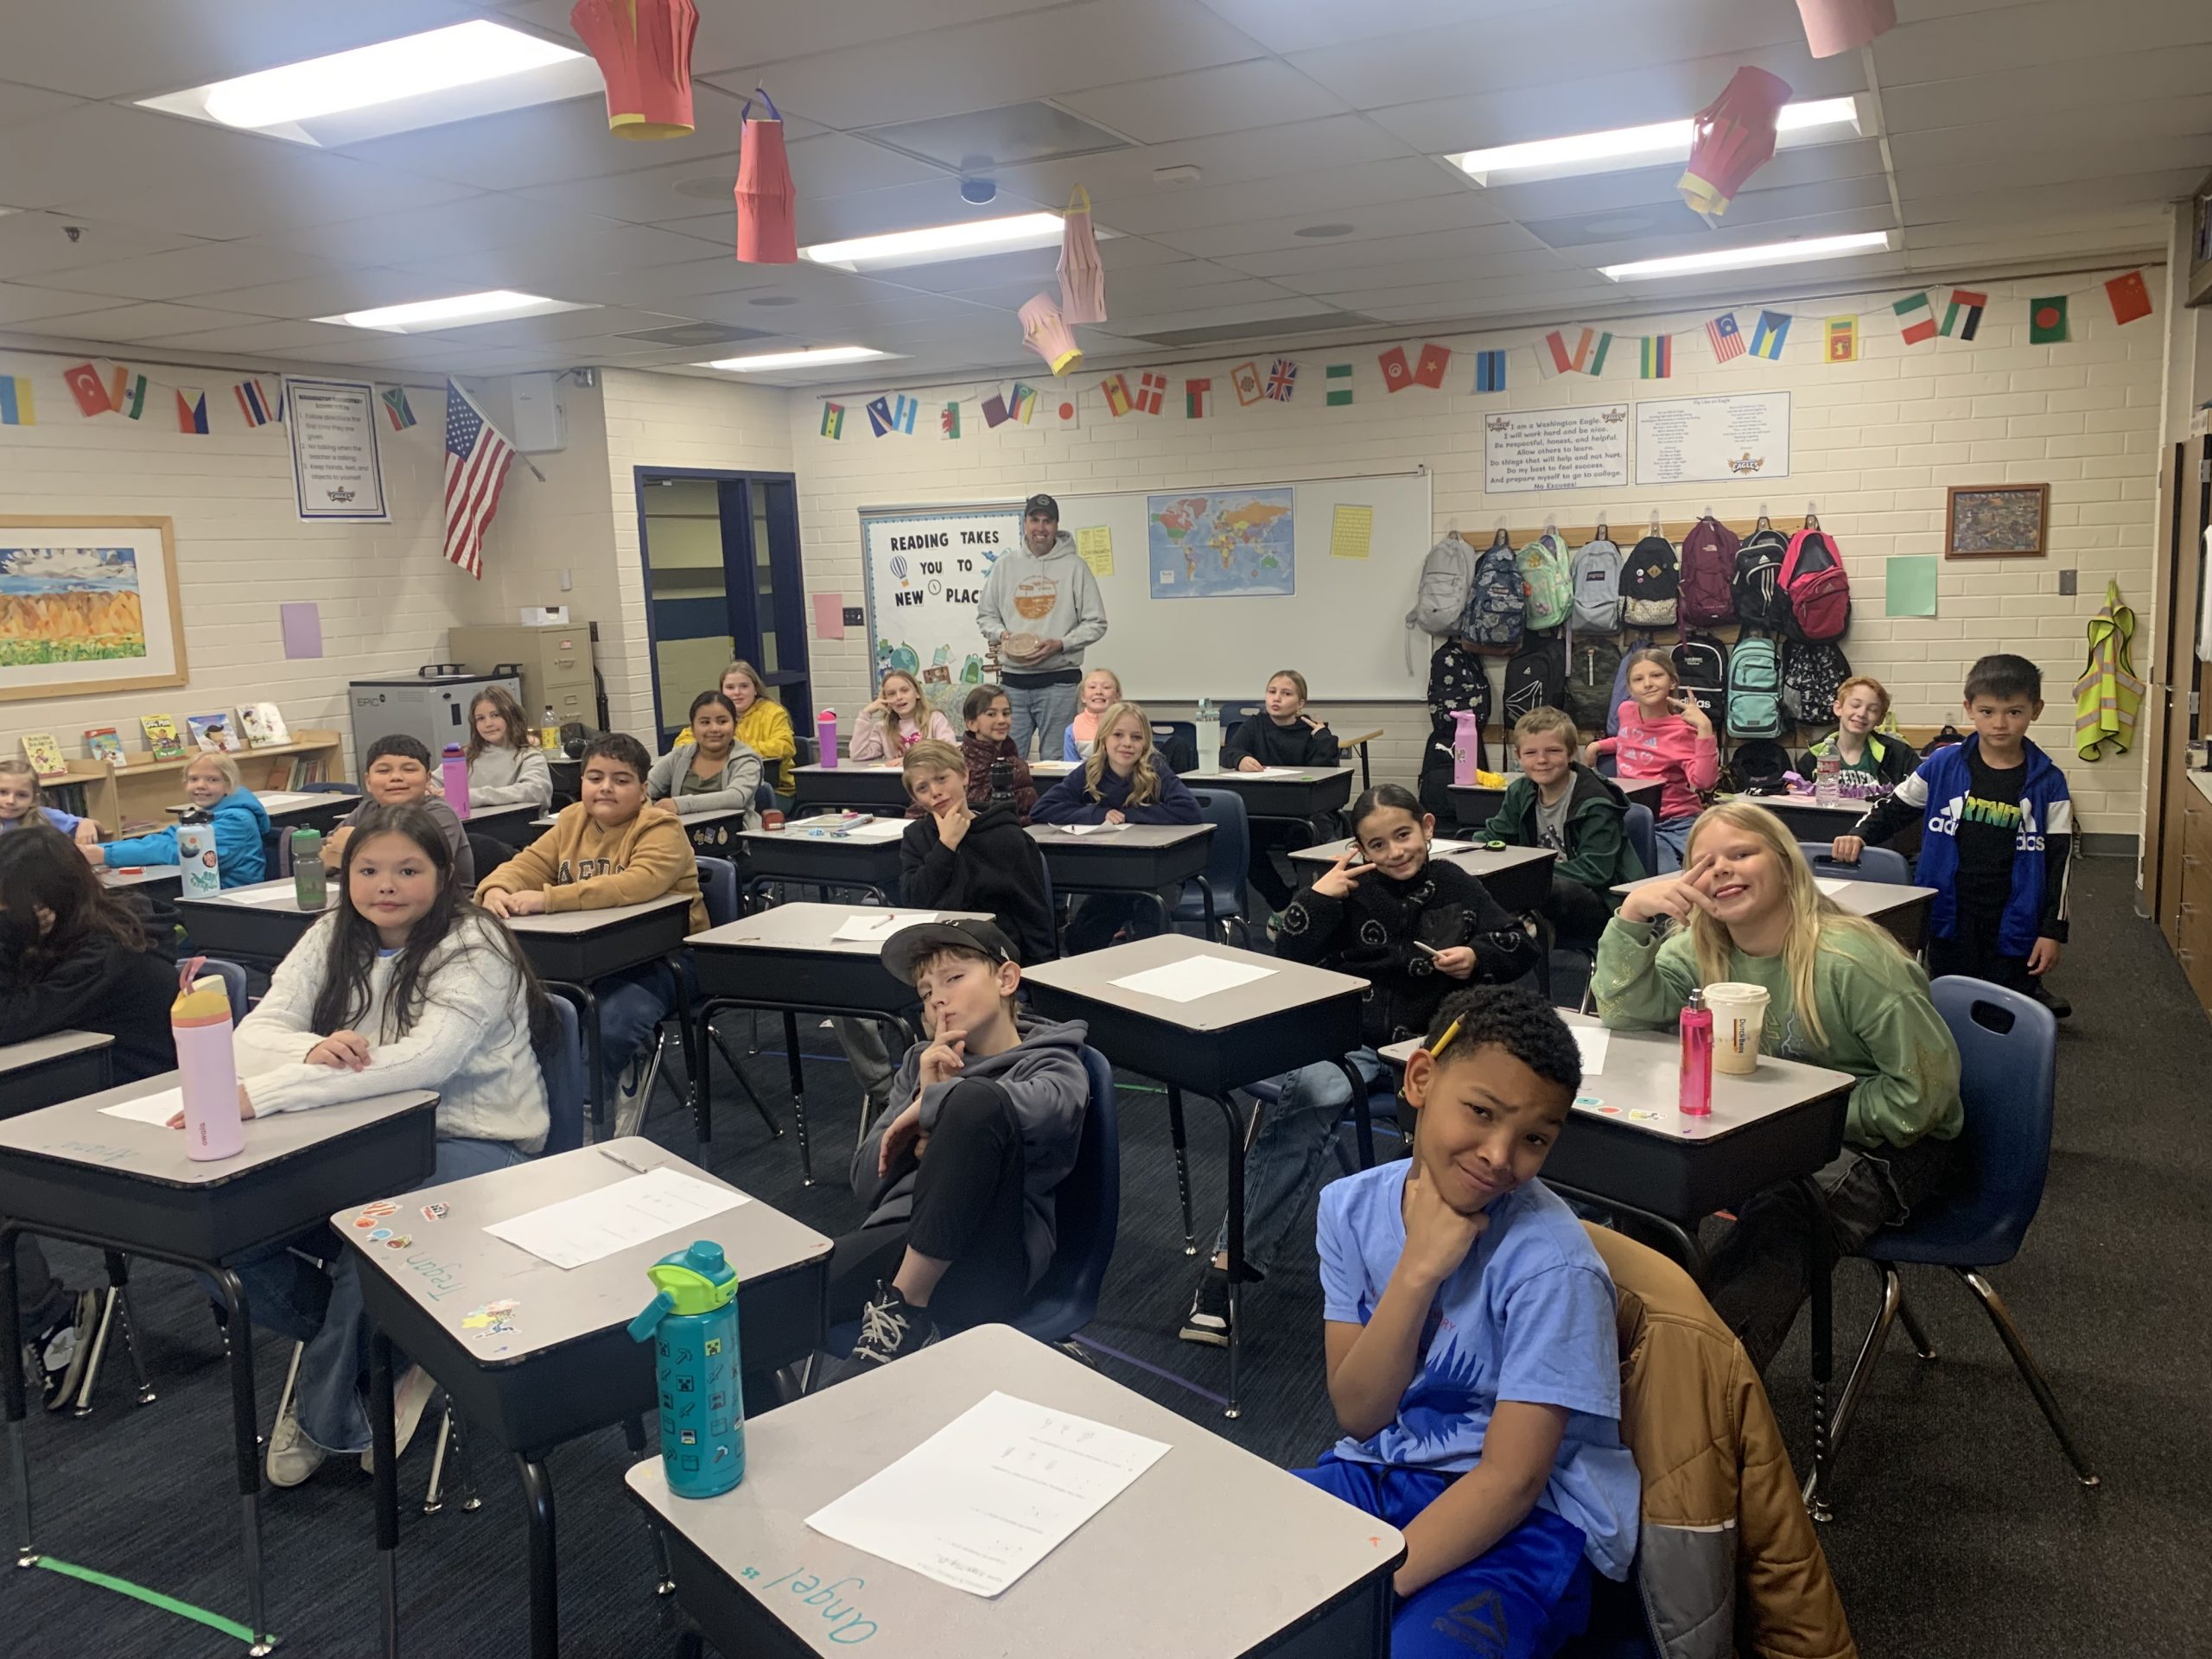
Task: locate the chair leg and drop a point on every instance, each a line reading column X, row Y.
column 434, row 1494
column 1862, row 1374
column 775, row 1129
column 1923, row 1344
column 1175, row 1128
column 633, row 1431
column 2031, row 1373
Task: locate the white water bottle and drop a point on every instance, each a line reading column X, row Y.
column 1828, row 779
column 1209, row 723
column 196, row 855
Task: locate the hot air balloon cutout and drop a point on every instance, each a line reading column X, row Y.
column 767, row 204
column 643, row 48
column 1833, row 26
column 1731, row 138
column 1083, row 278
column 1046, row 333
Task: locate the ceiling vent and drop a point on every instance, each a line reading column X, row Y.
column 1012, row 136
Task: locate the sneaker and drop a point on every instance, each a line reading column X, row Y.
column 410, row 1395
column 58, row 1354
column 292, row 1456
column 2059, row 1007
column 630, row 1099
column 1208, row 1321
column 891, row 1327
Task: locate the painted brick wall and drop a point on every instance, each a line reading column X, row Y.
column 1875, row 442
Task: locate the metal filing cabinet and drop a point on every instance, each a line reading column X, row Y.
column 556, row 664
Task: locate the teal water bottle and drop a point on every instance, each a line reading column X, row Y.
column 693, row 1325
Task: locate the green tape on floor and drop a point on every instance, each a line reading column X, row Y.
column 152, row 1598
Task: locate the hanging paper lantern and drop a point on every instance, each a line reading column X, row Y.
column 1732, row 138
column 767, row 206
column 1083, row 279
column 1045, row 332
column 1833, row 26
column 644, row 52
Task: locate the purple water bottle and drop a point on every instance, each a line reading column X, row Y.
column 1466, row 747
column 453, row 776
column 825, row 736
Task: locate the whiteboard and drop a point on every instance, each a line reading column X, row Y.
column 1343, row 623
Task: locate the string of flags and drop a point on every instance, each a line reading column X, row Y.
column 1921, row 319
column 97, row 387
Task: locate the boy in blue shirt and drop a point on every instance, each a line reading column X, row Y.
column 1472, row 1357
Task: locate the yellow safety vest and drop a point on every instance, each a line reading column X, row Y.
column 2108, row 697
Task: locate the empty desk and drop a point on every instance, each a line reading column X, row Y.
column 1292, row 794
column 297, row 809
column 1475, row 804
column 258, row 923
column 862, row 855
column 1901, row 910
column 1519, row 878
column 863, row 785
column 1808, row 818
column 1142, row 860
column 46, row 1070
column 516, row 825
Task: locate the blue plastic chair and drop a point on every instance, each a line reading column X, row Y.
column 1176, row 738
column 234, row 978
column 1229, row 860
column 1643, row 836
column 560, row 1062
column 2008, row 1052
column 718, row 886
column 1875, row 864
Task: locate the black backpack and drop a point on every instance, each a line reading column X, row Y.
column 1439, row 767
column 1942, row 740
column 1761, row 601
column 1535, row 677
column 1457, row 679
column 1760, row 764
column 1593, row 663
column 1497, row 605
column 1701, row 669
column 1651, row 585
column 1811, row 677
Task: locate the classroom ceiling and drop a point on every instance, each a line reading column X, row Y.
column 2009, row 135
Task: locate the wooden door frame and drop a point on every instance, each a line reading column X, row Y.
column 2177, row 675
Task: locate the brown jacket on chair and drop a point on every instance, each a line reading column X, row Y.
column 1728, row 1563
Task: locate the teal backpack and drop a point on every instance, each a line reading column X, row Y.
column 1755, row 689
column 1547, row 581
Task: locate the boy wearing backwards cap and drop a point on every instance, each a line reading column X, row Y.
column 1041, row 607
column 958, row 1179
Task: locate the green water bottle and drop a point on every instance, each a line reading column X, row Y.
column 309, row 889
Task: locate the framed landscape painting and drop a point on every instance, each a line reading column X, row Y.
column 1996, row 521
column 88, row 604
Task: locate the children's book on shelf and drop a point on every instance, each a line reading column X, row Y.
column 217, row 733
column 105, row 746
column 263, row 724
column 161, row 736
column 43, row 751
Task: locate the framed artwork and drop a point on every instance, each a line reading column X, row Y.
column 88, row 604
column 1996, row 521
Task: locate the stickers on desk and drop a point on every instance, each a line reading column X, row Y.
column 436, row 1211
column 493, row 1318
column 372, row 1216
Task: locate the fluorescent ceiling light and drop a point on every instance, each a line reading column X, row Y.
column 1767, row 253
column 444, row 74
column 820, row 357
column 969, row 240
column 458, row 311
column 1819, row 121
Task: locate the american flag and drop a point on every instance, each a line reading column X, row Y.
column 476, row 458
column 1727, row 339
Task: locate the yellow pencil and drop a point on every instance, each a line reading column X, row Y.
column 1444, row 1041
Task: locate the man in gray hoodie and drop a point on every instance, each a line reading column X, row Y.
column 1041, row 607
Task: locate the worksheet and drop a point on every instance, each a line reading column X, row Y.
column 594, row 1225
column 1593, row 1040
column 1194, row 977
column 874, row 926
column 989, row 1495
column 148, row 1108
column 277, row 895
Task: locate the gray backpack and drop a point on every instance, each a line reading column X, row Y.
column 1441, row 599
column 1596, row 581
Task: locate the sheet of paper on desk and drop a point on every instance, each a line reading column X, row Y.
column 1441, row 848
column 874, row 926
column 867, row 829
column 148, row 1108
column 1192, row 978
column 266, row 896
column 1286, row 771
column 594, row 1225
column 1831, row 886
column 989, row 1495
column 1089, row 828
column 1593, row 1041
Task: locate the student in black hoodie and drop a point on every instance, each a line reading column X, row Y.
column 1283, row 735
column 1416, row 929
column 955, row 857
column 72, row 956
column 1558, row 802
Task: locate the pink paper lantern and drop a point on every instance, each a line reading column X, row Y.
column 1045, row 332
column 1733, row 138
column 1833, row 26
column 768, row 205
column 644, row 51
column 1083, row 279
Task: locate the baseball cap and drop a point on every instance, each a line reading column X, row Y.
column 905, row 950
column 1043, row 503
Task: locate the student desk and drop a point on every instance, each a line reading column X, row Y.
column 58, row 1066
column 1807, row 819
column 1137, row 859
column 1901, row 910
column 71, row 1172
column 1781, row 1123
column 1519, row 878
column 1475, row 804
column 511, row 826
column 1291, row 794
column 1212, row 1046
column 296, row 809
column 570, row 949
column 569, row 1365
column 784, row 960
column 1366, row 777
column 1211, row 1553
column 155, row 881
column 259, row 923
column 865, row 856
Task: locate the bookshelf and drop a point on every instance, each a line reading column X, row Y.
column 142, row 790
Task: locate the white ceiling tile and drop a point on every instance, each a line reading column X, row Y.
column 1473, row 242
column 2086, row 161
column 731, row 37
column 1231, row 236
column 1262, row 92
column 209, row 268
column 547, row 267
column 2058, row 32
column 38, row 244
column 1223, row 158
column 27, row 302
column 467, row 225
column 1458, row 270
column 128, row 323
column 1857, row 163
column 2113, row 84
column 832, row 164
column 902, row 208
column 670, row 288
column 30, row 103
column 262, row 338
column 1299, row 25
column 357, row 288
column 1318, row 197
column 568, row 326
column 2174, row 129
column 1998, row 207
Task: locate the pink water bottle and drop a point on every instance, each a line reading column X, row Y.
column 452, row 776
column 825, row 736
column 1697, row 1057
column 1466, row 747
column 200, row 1020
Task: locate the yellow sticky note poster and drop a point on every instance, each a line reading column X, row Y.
column 1352, row 532
column 1095, row 547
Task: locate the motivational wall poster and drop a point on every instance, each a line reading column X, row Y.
column 925, row 575
column 1736, row 437
column 336, row 472
column 1583, row 448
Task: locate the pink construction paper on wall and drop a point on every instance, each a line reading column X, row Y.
column 302, row 629
column 829, row 616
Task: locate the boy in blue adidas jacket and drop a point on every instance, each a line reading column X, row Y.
column 1999, row 829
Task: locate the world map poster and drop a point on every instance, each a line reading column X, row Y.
column 1227, row 544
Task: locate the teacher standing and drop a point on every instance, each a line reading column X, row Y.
column 1041, row 607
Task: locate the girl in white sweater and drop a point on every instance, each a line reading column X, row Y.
column 506, row 769
column 405, row 985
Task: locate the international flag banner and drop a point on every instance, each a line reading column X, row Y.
column 995, row 413
column 1430, row 368
column 1727, row 339
column 15, row 406
column 478, row 457
column 1068, row 412
column 259, row 409
column 1152, row 393
column 1282, row 380
column 948, row 420
column 1843, row 339
column 1338, row 376
column 395, row 405
column 1115, row 390
column 126, row 394
column 1245, row 376
column 2129, row 298
column 1558, row 355
column 1597, row 362
column 1962, row 316
column 2047, row 323
column 903, row 410
column 1768, row 337
column 1197, row 399
column 1655, row 361
column 191, row 410
column 1915, row 319
column 1397, row 374
column 1490, row 371
column 833, row 421
column 1023, row 405
column 88, row 389
column 878, row 415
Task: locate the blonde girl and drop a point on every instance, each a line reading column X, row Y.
column 897, row 720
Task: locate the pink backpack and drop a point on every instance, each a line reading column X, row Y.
column 1818, row 593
